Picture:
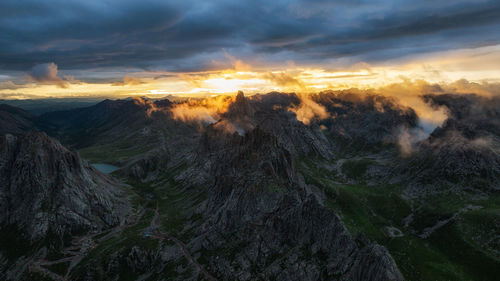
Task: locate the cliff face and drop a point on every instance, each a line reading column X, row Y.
column 271, row 114
column 258, row 202
column 365, row 119
column 465, row 149
column 45, row 188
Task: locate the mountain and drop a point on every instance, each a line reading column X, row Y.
column 465, row 150
column 364, row 121
column 262, row 111
column 48, row 195
column 277, row 186
column 256, row 200
column 47, row 189
column 14, row 120
column 83, row 126
column 128, row 132
column 40, row 106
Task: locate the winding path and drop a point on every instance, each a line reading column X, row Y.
column 78, row 250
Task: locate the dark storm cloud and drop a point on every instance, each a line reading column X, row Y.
column 96, row 34
column 180, row 35
column 376, row 34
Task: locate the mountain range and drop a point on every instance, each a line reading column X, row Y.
column 280, row 186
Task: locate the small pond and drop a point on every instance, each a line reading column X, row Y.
column 105, row 168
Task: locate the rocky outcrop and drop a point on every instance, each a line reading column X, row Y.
column 240, row 108
column 147, row 167
column 364, row 119
column 47, row 189
column 464, row 150
column 258, row 204
column 140, row 260
column 374, row 263
column 299, row 139
column 455, row 159
column 271, row 114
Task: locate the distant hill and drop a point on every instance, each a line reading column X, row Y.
column 40, row 106
column 15, row 120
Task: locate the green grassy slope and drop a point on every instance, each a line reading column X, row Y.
column 466, row 248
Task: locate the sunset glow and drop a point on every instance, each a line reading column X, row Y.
column 370, row 46
column 446, row 67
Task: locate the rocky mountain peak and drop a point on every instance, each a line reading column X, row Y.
column 258, row 200
column 240, row 110
column 45, row 188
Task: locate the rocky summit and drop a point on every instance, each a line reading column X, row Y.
column 256, row 200
column 47, row 190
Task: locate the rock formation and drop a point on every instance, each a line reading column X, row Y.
column 47, row 189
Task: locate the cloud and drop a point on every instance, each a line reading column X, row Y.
column 46, row 73
column 463, row 86
column 176, row 35
column 9, row 85
column 204, row 111
column 309, row 110
column 408, row 138
column 237, row 64
column 284, row 79
column 471, row 115
column 423, row 97
column 193, row 79
column 409, row 93
column 186, row 112
column 229, row 127
column 128, row 81
column 18, row 96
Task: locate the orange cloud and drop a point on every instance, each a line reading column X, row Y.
column 204, row 111
column 408, row 93
column 284, row 79
column 128, row 81
column 309, row 110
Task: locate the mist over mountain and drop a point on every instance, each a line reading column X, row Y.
column 465, row 148
column 277, row 186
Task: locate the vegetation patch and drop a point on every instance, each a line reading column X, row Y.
column 356, row 169
column 459, row 250
column 59, row 268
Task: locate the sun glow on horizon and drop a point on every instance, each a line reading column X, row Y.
column 476, row 65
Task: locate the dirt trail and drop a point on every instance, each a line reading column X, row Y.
column 82, row 245
column 79, row 249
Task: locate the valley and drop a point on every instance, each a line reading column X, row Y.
column 281, row 200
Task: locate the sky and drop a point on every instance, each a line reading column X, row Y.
column 117, row 48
